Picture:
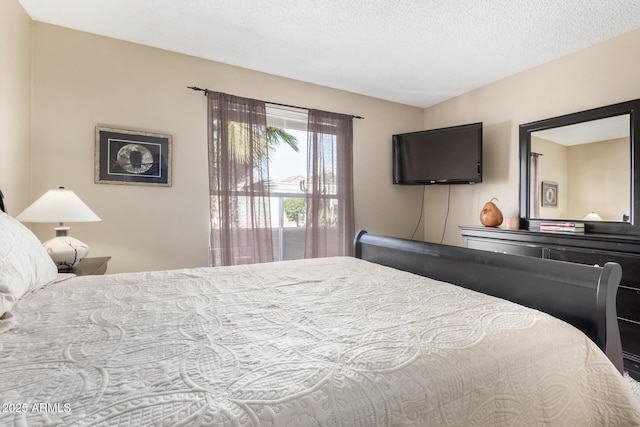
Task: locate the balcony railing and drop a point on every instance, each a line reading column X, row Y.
column 288, row 238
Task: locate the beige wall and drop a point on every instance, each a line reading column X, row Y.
column 82, row 80
column 591, row 177
column 599, row 179
column 15, row 102
column 600, row 75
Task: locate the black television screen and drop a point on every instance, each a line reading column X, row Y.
column 451, row 155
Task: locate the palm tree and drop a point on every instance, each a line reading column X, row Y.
column 275, row 136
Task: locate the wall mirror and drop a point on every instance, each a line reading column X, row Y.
column 581, row 167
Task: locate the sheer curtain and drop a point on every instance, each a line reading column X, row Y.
column 330, row 217
column 238, row 181
column 534, row 191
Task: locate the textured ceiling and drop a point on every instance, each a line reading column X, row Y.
column 416, row 52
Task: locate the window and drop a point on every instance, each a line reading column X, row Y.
column 287, row 176
column 257, row 182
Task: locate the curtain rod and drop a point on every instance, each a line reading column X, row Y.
column 267, row 102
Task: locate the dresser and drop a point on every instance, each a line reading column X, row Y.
column 580, row 248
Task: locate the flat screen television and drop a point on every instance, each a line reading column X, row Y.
column 451, row 155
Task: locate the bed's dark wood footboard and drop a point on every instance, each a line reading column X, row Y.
column 582, row 295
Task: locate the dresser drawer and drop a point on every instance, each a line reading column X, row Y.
column 630, row 263
column 628, row 303
column 504, row 247
column 630, row 336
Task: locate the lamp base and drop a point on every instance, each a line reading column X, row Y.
column 64, row 250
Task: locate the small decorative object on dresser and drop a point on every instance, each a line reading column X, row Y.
column 513, row 223
column 491, row 216
column 562, row 226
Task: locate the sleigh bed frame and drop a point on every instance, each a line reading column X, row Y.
column 582, row 295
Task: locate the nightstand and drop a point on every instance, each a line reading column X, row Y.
column 89, row 266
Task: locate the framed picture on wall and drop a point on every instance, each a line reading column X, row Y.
column 549, row 194
column 132, row 157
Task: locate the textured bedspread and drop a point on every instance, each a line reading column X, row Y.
column 335, row 342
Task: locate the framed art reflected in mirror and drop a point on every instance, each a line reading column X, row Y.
column 132, row 157
column 549, row 194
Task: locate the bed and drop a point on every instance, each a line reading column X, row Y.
column 343, row 341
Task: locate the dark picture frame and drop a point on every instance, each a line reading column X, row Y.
column 549, row 194
column 132, row 157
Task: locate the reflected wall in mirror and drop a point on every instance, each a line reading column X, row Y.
column 590, row 158
column 590, row 163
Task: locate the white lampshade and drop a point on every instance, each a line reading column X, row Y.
column 61, row 206
column 592, row 216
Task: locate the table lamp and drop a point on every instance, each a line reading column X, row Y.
column 61, row 205
column 592, row 216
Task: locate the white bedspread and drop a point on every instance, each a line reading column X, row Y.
column 335, row 342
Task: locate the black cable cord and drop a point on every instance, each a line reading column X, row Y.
column 424, row 189
column 446, row 217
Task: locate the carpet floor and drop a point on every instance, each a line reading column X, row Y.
column 635, row 385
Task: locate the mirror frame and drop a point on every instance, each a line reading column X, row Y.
column 605, row 227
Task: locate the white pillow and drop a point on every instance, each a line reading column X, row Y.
column 24, row 262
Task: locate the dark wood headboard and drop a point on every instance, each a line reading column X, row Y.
column 582, row 295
